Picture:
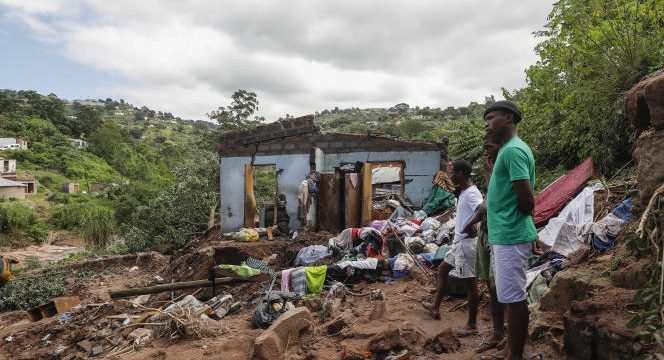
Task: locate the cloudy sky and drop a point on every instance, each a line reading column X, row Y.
column 299, row 56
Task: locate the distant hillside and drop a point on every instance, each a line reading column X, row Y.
column 152, row 126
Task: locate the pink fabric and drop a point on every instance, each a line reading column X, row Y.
column 551, row 200
column 285, row 279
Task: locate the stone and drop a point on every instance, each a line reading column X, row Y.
column 445, row 342
column 98, row 349
column 271, row 344
column 571, row 285
column 398, row 338
column 336, row 326
column 654, row 94
column 378, row 310
column 314, row 304
column 649, row 156
column 85, row 345
column 141, row 336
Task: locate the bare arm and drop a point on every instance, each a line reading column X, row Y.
column 525, row 200
column 479, row 215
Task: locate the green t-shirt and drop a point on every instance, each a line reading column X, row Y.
column 507, row 224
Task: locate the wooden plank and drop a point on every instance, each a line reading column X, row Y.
column 366, row 193
column 352, row 201
column 249, row 198
column 329, row 203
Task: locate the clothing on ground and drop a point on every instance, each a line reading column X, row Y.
column 462, row 257
column 285, row 279
column 243, row 271
column 310, row 254
column 315, row 277
column 510, row 265
column 367, row 264
column 299, row 281
column 507, row 224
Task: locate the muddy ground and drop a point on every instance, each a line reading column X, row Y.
column 347, row 330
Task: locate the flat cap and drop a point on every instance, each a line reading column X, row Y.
column 504, row 105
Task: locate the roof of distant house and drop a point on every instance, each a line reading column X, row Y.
column 9, row 183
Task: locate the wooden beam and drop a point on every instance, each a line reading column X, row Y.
column 166, row 287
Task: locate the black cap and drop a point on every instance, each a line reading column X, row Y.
column 504, row 105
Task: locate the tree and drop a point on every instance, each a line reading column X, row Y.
column 158, row 226
column 88, row 120
column 402, row 108
column 592, row 52
column 237, row 115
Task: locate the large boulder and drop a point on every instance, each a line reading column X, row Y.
column 272, row 343
column 649, row 155
column 572, row 285
column 654, row 94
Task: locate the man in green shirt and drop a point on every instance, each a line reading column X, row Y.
column 510, row 204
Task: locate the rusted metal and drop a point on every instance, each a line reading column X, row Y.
column 352, row 200
column 329, row 203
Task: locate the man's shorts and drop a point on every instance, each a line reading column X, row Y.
column 510, row 265
column 462, row 257
column 483, row 268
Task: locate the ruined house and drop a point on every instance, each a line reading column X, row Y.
column 354, row 169
column 10, row 189
column 8, row 168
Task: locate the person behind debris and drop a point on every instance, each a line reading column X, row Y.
column 308, row 189
column 282, row 216
column 483, row 258
column 442, row 195
column 510, row 206
column 461, row 257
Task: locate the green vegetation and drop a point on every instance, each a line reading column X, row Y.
column 136, row 152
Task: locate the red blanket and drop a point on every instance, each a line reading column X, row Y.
column 551, row 200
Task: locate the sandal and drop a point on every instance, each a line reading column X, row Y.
column 486, row 345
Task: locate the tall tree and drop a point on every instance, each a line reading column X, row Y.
column 238, row 114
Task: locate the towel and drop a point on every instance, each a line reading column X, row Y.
column 315, row 278
column 285, row 279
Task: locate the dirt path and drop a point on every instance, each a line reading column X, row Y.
column 46, row 252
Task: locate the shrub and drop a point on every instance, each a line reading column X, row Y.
column 28, row 292
column 98, row 225
column 21, row 222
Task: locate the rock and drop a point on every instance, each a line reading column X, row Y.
column 636, row 107
column 60, row 350
column 98, row 349
column 444, row 342
column 336, row 326
column 141, row 336
column 85, row 345
column 571, row 285
column 654, row 94
column 314, row 304
column 271, row 344
column 378, row 310
column 398, row 338
column 632, row 275
column 649, row 156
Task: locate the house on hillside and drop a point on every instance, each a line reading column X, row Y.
column 22, row 143
column 8, row 168
column 357, row 173
column 78, row 143
column 11, row 189
column 29, row 183
column 70, row 188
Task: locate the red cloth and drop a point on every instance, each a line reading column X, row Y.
column 551, row 200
